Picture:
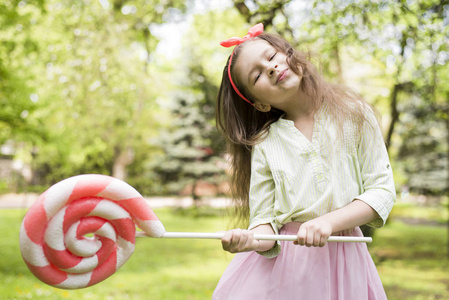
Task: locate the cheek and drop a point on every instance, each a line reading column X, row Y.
column 261, row 92
column 259, row 88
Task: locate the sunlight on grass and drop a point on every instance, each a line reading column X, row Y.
column 435, row 213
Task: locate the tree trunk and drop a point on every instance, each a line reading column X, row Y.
column 123, row 158
column 394, row 112
column 194, row 196
column 243, row 10
column 336, row 51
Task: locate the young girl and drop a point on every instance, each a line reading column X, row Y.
column 308, row 159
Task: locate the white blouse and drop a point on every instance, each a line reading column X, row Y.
column 294, row 179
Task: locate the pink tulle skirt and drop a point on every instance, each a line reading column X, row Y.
column 342, row 271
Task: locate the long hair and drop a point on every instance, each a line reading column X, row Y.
column 243, row 126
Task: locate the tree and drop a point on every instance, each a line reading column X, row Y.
column 403, row 45
column 94, row 83
column 18, row 46
column 188, row 157
column 193, row 148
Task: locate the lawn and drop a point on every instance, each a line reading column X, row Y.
column 411, row 259
column 158, row 268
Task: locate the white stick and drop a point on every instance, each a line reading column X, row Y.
column 270, row 237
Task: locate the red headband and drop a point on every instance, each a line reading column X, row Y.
column 252, row 32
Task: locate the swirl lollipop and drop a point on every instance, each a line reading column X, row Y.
column 54, row 237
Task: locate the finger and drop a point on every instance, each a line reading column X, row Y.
column 226, row 240
column 236, row 236
column 302, row 232
column 238, row 240
column 309, row 238
column 316, row 239
column 323, row 241
column 242, row 243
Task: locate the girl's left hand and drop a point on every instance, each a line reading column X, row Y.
column 314, row 233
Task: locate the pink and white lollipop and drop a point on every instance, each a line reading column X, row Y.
column 53, row 237
column 55, row 241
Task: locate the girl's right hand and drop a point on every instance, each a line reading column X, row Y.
column 239, row 240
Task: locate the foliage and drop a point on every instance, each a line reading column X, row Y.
column 394, row 53
column 82, row 83
column 193, row 148
column 424, row 153
column 94, row 84
column 17, row 44
column 88, row 99
column 188, row 156
column 410, row 51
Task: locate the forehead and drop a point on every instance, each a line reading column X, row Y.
column 249, row 55
column 256, row 46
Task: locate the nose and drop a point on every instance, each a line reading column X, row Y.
column 272, row 69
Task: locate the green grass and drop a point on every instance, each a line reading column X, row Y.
column 411, row 259
column 438, row 214
column 158, row 268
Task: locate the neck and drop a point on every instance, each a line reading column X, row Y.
column 302, row 107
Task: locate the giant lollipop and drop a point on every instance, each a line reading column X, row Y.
column 55, row 241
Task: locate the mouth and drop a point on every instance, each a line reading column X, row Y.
column 282, row 75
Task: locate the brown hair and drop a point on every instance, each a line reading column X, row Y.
column 243, row 126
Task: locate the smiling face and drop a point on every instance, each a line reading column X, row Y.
column 266, row 75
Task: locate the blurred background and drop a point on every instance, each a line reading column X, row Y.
column 127, row 88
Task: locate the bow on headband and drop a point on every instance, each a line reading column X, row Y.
column 253, row 32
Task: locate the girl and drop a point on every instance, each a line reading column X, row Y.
column 308, row 159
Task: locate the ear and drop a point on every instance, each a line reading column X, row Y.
column 262, row 107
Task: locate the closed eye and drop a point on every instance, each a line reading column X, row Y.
column 270, row 59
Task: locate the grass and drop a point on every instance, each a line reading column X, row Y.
column 411, row 259
column 158, row 268
column 436, row 214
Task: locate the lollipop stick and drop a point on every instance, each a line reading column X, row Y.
column 270, row 237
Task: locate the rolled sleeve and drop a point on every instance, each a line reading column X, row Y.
column 376, row 172
column 261, row 197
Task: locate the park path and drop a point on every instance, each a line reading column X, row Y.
column 26, row 200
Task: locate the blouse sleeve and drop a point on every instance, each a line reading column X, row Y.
column 261, row 196
column 377, row 176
